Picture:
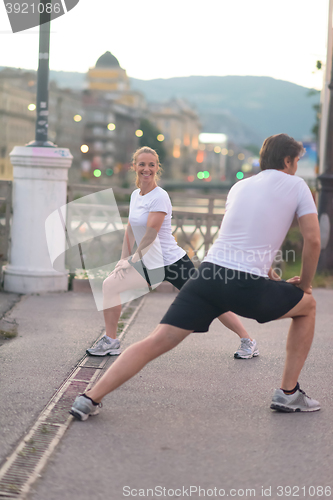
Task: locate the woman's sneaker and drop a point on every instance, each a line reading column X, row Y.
column 83, row 407
column 105, row 346
column 247, row 349
column 298, row 401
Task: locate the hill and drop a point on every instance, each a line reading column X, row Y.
column 246, row 108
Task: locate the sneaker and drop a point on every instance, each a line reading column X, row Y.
column 298, row 401
column 83, row 407
column 105, row 346
column 247, row 349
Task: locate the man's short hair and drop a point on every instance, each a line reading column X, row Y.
column 276, row 148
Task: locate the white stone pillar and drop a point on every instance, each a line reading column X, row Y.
column 39, row 188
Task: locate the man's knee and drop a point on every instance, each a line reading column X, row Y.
column 312, row 305
column 309, row 305
column 166, row 336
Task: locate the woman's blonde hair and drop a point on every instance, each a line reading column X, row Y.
column 146, row 149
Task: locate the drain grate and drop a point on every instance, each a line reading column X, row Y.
column 23, row 467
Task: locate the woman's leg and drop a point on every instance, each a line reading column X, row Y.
column 113, row 286
column 232, row 321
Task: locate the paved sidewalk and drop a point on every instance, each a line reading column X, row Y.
column 194, row 417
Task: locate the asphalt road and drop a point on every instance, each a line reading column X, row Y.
column 198, row 418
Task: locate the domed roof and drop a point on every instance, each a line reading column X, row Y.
column 107, row 60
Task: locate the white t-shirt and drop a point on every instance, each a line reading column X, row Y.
column 259, row 213
column 164, row 250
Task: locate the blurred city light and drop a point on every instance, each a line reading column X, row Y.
column 240, row 175
column 246, row 167
column 160, row 137
column 77, row 118
column 97, row 172
column 224, row 151
column 200, row 175
column 32, row 107
column 212, row 138
column 200, row 156
column 109, row 171
column 241, row 156
column 84, row 148
column 139, row 133
column 111, row 126
column 205, row 174
column 217, row 149
column 190, row 178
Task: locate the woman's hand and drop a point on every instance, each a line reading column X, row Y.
column 121, row 269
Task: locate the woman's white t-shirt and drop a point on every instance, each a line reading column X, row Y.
column 164, row 250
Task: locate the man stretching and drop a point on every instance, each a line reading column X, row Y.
column 237, row 276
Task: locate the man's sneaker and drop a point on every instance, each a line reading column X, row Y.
column 247, row 349
column 105, row 346
column 298, row 401
column 83, row 407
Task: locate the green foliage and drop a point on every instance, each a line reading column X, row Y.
column 149, row 138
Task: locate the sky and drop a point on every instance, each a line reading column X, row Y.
column 163, row 39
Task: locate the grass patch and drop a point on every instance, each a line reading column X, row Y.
column 7, row 330
column 321, row 279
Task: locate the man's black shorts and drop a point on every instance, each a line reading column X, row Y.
column 214, row 290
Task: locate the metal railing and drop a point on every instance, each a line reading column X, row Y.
column 195, row 224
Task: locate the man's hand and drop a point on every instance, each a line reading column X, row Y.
column 296, row 280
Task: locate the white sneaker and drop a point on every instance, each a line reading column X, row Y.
column 104, row 347
column 298, row 401
column 247, row 349
column 83, row 407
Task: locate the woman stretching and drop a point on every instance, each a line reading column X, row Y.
column 157, row 257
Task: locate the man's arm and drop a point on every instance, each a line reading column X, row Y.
column 273, row 275
column 309, row 226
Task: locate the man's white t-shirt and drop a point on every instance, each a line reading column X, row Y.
column 259, row 213
column 164, row 250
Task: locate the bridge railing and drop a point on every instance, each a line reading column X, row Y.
column 195, row 223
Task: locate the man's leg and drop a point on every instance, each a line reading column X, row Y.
column 299, row 340
column 134, row 358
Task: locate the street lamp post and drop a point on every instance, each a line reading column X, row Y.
column 40, row 173
column 325, row 206
column 43, row 80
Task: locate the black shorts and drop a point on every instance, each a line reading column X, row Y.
column 177, row 273
column 214, row 290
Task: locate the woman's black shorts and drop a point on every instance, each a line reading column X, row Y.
column 213, row 290
column 177, row 273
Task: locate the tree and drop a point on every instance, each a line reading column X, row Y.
column 149, row 138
